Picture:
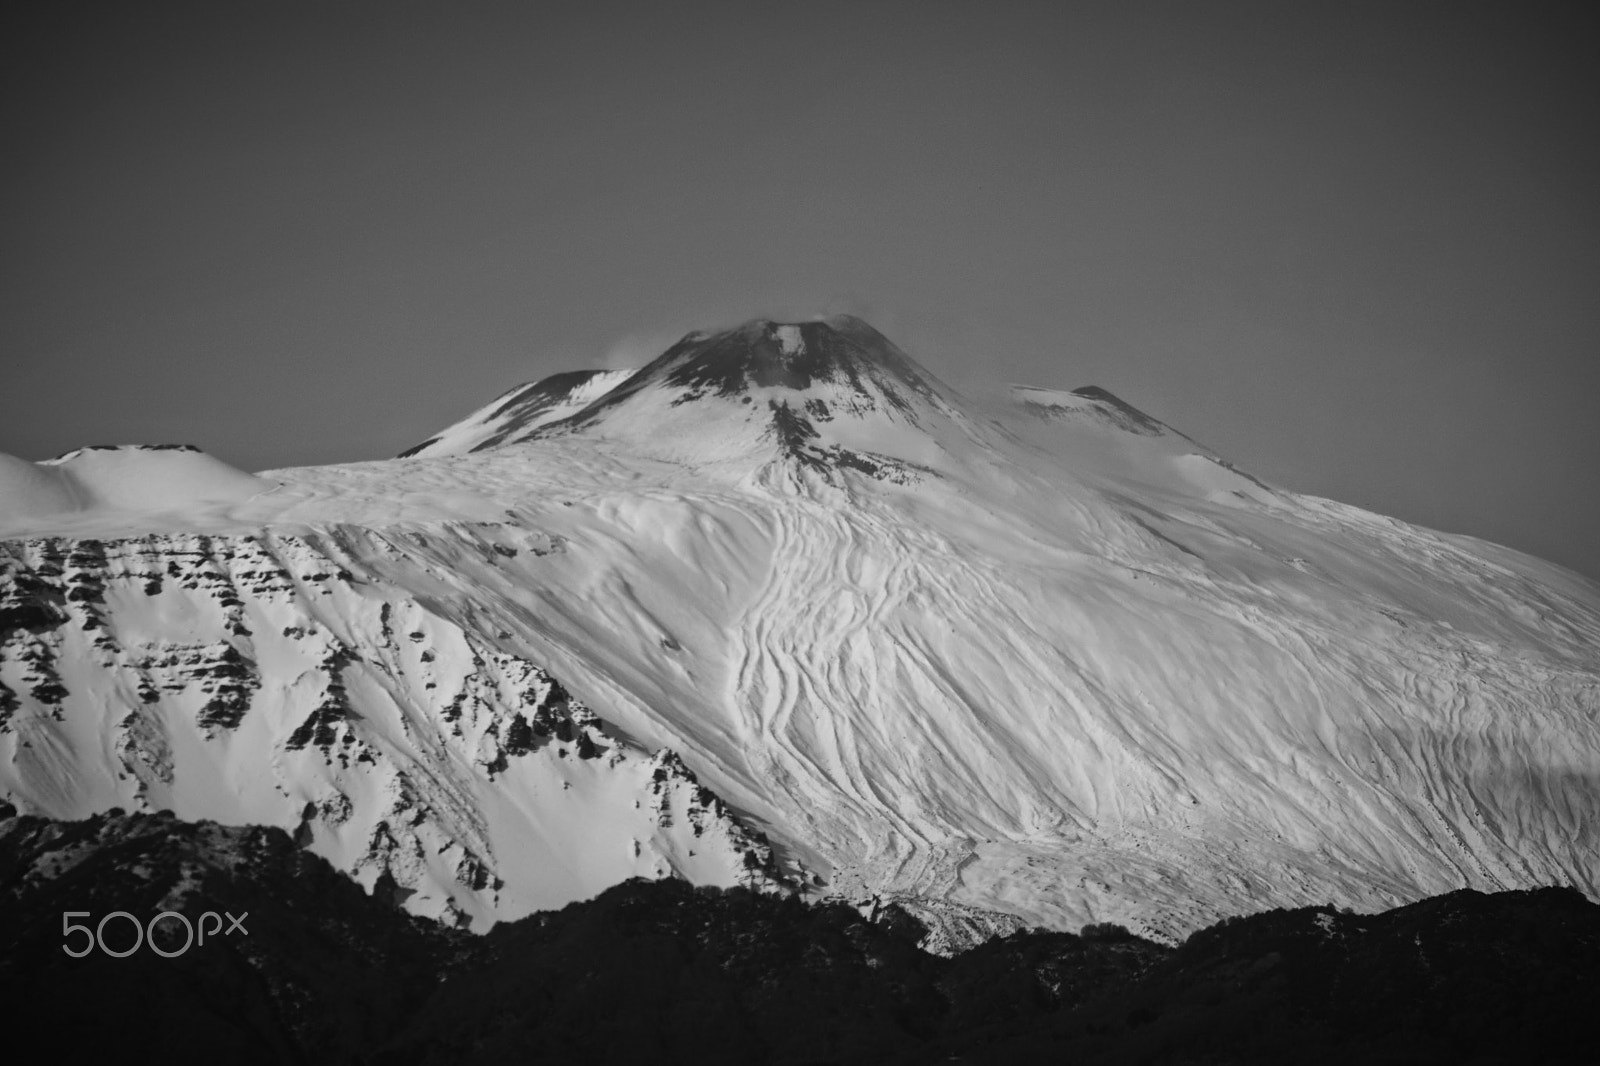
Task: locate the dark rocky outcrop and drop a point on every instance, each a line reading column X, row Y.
column 665, row 972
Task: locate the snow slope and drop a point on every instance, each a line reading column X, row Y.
column 523, row 409
column 138, row 483
column 1056, row 661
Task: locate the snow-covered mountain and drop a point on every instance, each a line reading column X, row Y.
column 1044, row 662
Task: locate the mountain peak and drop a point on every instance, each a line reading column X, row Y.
column 838, row 360
column 826, row 391
column 517, row 414
column 763, row 353
column 1092, row 403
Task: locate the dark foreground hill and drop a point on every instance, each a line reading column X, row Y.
column 320, row 971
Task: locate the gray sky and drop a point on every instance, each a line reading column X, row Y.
column 1354, row 247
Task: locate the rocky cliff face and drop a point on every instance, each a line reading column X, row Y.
column 264, row 678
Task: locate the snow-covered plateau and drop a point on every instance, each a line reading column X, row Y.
column 780, row 608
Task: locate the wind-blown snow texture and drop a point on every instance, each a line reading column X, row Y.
column 1049, row 664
